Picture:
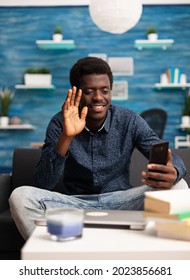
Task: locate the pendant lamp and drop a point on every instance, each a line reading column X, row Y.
column 115, row 16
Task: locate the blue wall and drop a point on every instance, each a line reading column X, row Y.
column 21, row 27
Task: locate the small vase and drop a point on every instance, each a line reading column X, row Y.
column 185, row 120
column 4, row 121
column 183, row 79
column 57, row 37
column 153, row 36
column 164, row 79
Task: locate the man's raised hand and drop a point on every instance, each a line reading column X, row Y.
column 74, row 121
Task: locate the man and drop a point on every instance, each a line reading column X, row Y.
column 91, row 142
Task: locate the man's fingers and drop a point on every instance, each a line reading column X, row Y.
column 169, row 159
column 78, row 97
column 84, row 113
column 73, row 95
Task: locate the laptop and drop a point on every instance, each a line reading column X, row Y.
column 114, row 219
column 109, row 219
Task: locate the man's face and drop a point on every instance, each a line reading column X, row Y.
column 96, row 95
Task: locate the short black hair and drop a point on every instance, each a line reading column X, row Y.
column 89, row 65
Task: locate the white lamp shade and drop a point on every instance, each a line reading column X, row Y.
column 115, row 16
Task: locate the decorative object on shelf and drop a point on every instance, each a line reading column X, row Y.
column 172, row 78
column 99, row 55
column 116, row 16
column 15, row 120
column 185, row 119
column 37, row 76
column 152, row 34
column 120, row 90
column 121, row 66
column 183, row 79
column 174, row 74
column 164, row 79
column 57, row 35
column 6, row 96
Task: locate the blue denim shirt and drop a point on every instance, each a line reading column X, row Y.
column 97, row 163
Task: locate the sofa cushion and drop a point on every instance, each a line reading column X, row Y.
column 11, row 240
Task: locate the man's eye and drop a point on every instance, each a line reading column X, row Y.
column 88, row 92
column 105, row 90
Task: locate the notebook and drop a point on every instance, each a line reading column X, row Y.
column 109, row 219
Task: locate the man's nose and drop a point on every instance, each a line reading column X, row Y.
column 97, row 94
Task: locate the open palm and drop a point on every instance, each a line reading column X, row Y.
column 73, row 123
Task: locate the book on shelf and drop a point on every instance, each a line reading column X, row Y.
column 173, row 74
column 169, row 202
column 172, row 71
column 168, row 74
column 177, row 74
column 173, row 230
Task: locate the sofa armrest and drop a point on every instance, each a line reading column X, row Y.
column 5, row 181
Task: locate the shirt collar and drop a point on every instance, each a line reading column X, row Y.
column 106, row 124
column 108, row 120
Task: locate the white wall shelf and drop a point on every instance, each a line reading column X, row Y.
column 36, row 87
column 148, row 44
column 160, row 86
column 18, row 126
column 54, row 45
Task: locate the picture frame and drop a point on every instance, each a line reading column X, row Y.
column 120, row 90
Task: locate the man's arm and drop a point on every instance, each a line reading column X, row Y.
column 60, row 133
column 73, row 122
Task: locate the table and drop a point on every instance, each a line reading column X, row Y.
column 107, row 244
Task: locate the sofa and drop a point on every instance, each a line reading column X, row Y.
column 23, row 165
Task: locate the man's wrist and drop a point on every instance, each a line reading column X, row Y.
column 63, row 144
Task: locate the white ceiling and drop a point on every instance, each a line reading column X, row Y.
column 77, row 2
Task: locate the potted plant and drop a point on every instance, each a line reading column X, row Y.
column 37, row 76
column 6, row 96
column 186, row 112
column 152, row 34
column 58, row 35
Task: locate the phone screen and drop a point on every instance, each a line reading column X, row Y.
column 159, row 153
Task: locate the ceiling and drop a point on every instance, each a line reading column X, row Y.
column 78, row 2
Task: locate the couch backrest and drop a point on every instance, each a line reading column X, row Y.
column 25, row 160
column 24, row 163
column 139, row 162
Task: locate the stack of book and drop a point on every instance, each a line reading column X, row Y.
column 173, row 75
column 170, row 209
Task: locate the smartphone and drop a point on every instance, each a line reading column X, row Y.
column 159, row 153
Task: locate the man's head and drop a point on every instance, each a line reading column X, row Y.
column 94, row 77
column 89, row 65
